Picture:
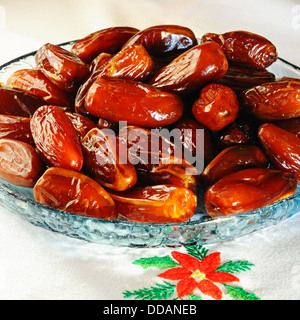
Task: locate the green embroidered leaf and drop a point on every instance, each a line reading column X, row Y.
column 158, row 292
column 239, row 293
column 235, row 266
column 157, row 262
column 198, row 252
column 194, row 297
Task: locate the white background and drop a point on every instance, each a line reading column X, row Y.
column 59, row 21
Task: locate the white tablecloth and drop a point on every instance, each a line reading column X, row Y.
column 39, row 264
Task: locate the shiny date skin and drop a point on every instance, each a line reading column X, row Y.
column 192, row 69
column 15, row 127
column 241, row 78
column 65, row 69
column 19, row 163
column 34, row 81
column 237, row 133
column 102, row 161
column 233, row 159
column 135, row 102
column 109, row 40
column 216, row 107
column 56, row 138
column 156, row 204
column 247, row 190
column 282, row 147
column 15, row 102
column 132, row 63
column 164, row 41
column 273, row 101
column 74, row 192
column 245, row 49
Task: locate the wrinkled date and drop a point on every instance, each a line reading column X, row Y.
column 102, row 161
column 17, row 128
column 15, row 102
column 245, row 48
column 156, row 204
column 282, row 147
column 108, row 40
column 34, row 81
column 56, row 138
column 273, row 100
column 164, row 41
column 132, row 63
column 74, row 192
column 192, row 69
column 248, row 190
column 216, row 107
column 233, row 159
column 135, row 102
column 65, row 69
column 19, row 163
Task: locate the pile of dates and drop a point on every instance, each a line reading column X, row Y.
column 85, row 127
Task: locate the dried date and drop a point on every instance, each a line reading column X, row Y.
column 34, row 81
column 102, row 161
column 282, row 147
column 56, row 138
column 19, row 163
column 132, row 63
column 15, row 127
column 65, row 69
column 15, row 102
column 247, row 190
column 135, row 102
column 74, row 192
column 245, row 49
column 109, row 40
column 273, row 100
column 156, row 204
column 234, row 159
column 216, row 107
column 192, row 69
column 164, row 41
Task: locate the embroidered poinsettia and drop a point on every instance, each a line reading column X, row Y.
column 194, row 274
column 194, row 270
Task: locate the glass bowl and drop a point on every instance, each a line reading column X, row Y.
column 201, row 229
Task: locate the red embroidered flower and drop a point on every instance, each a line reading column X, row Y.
column 194, row 274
